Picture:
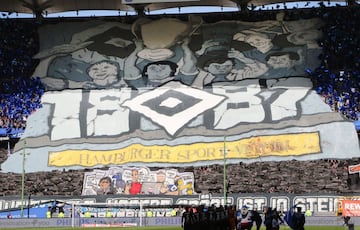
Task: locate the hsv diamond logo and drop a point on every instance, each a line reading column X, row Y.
column 173, row 105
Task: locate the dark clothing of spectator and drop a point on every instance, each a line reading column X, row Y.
column 257, row 219
column 298, row 220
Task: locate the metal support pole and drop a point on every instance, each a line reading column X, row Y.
column 140, row 214
column 73, row 215
column 225, row 152
column 28, row 205
column 23, row 180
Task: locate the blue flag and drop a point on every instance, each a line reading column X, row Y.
column 288, row 217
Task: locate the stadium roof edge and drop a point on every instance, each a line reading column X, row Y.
column 52, row 6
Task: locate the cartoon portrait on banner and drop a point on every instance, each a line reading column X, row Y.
column 153, row 52
column 138, row 180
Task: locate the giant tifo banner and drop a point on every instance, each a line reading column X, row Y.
column 169, row 92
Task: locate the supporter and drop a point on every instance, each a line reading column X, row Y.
column 308, row 212
column 186, row 222
column 87, row 214
column 108, row 214
column 19, row 98
column 257, row 218
column 48, row 213
column 268, row 218
column 298, row 219
column 61, row 215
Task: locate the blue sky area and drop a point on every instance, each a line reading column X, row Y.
column 182, row 10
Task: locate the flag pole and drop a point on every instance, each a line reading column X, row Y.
column 23, row 180
column 225, row 152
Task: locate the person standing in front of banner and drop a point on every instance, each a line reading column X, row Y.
column 298, row 219
column 196, row 218
column 149, row 213
column 108, row 214
column 346, row 220
column 48, row 213
column 87, row 214
column 203, row 221
column 244, row 218
column 61, row 214
column 257, row 218
column 232, row 217
column 211, row 217
column 268, row 218
column 186, row 219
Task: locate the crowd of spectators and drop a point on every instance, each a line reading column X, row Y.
column 19, row 93
column 19, row 98
column 337, row 79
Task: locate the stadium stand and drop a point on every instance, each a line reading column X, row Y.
column 20, row 94
column 337, row 80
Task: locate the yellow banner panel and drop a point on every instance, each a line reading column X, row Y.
column 253, row 147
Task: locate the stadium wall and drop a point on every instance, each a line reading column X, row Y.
column 128, row 206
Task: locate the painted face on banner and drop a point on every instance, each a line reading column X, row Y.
column 135, row 175
column 104, row 73
column 104, row 184
column 160, row 177
column 304, row 37
column 217, row 68
column 261, row 43
column 158, row 72
column 282, row 61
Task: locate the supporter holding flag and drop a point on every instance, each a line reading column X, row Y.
column 295, row 220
